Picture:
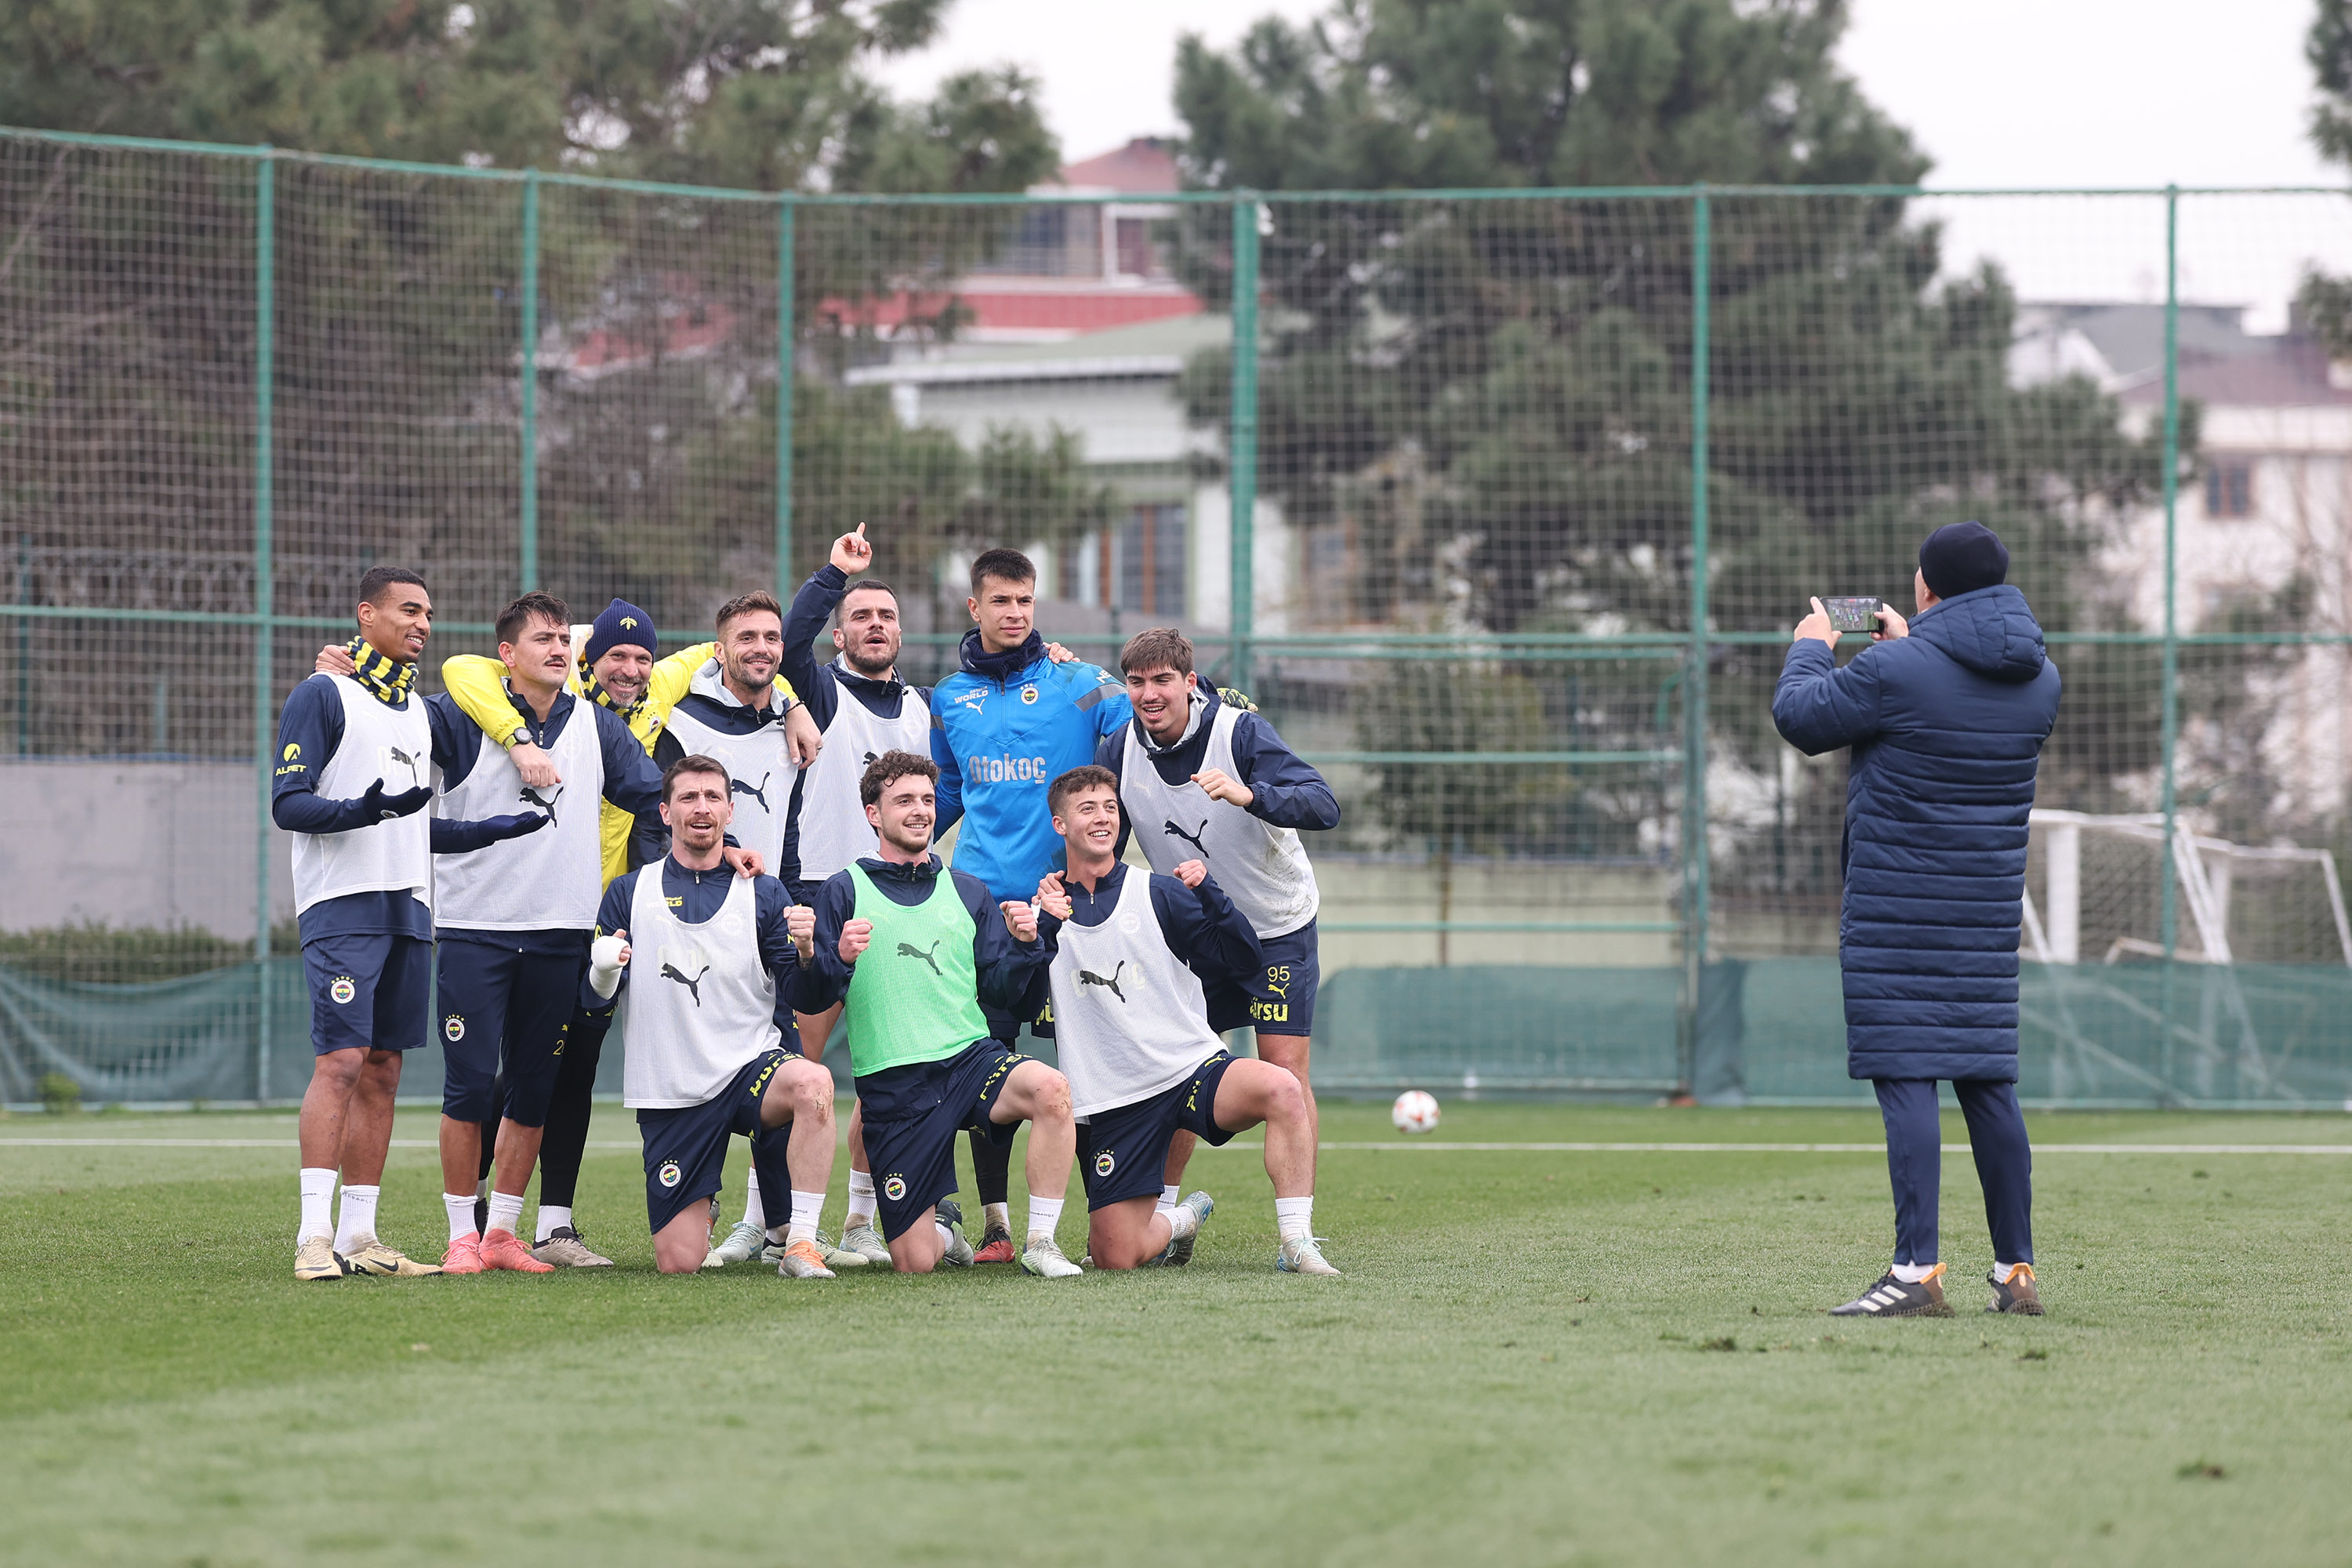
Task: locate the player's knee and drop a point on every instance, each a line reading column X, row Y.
column 339, row 1070
column 1053, row 1097
column 1285, row 1096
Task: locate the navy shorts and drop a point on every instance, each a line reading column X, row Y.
column 368, row 992
column 912, row 1116
column 686, row 1148
column 1281, row 1001
column 1123, row 1152
column 493, row 994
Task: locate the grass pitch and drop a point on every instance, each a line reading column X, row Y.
column 1538, row 1356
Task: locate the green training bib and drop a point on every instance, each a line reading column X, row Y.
column 914, row 994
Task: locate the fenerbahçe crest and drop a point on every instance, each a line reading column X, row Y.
column 1105, row 1164
column 894, row 1187
column 670, row 1175
column 453, row 1028
column 343, row 988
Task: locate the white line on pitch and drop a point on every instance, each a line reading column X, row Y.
column 1825, row 1148
column 1417, row 1144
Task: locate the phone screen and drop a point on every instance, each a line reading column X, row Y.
column 1853, row 613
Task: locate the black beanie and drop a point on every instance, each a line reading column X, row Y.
column 621, row 622
column 1962, row 557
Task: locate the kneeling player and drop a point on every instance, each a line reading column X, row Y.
column 1130, row 950
column 912, row 949
column 705, row 1060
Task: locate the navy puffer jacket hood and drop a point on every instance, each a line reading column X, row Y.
column 1946, row 727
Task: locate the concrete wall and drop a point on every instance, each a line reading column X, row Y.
column 134, row 843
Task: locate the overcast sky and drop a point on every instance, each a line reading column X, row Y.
column 2000, row 93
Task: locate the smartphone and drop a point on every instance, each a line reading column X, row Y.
column 1854, row 615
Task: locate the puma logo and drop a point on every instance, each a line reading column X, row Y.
column 1193, row 837
column 871, row 759
column 908, row 949
column 758, row 791
column 405, row 761
column 545, row 803
column 1089, row 977
column 693, row 987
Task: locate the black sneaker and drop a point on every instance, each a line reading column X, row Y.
column 2017, row 1294
column 1892, row 1298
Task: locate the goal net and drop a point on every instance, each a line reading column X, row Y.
column 2256, row 927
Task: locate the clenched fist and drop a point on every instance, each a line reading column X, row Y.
column 855, row 936
column 1221, row 785
column 1054, row 898
column 1020, row 918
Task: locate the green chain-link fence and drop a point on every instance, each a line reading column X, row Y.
column 1500, row 503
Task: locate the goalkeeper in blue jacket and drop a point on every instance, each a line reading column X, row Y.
column 1003, row 727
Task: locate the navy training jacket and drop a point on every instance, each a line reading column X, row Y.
column 1946, row 727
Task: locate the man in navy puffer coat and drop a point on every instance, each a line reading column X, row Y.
column 1946, row 715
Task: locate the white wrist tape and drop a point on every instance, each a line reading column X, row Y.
column 604, row 964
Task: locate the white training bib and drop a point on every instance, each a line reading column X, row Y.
column 1262, row 868
column 699, row 1004
column 1130, row 1018
column 758, row 767
column 834, row 832
column 393, row 746
column 552, row 880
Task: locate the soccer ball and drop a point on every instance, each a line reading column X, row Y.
column 1415, row 1111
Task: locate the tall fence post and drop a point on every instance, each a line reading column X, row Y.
column 784, row 309
column 1696, row 889
column 2169, row 892
column 1242, row 445
column 265, row 591
column 530, row 480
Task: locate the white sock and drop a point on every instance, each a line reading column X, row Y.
column 861, row 1199
column 806, row 1207
column 1295, row 1218
column 1911, row 1273
column 1045, row 1213
column 318, row 1204
column 754, row 1212
column 552, row 1217
column 998, row 1216
column 1168, row 1197
column 506, row 1210
column 461, row 1214
column 2001, row 1271
column 947, row 1237
column 357, row 1217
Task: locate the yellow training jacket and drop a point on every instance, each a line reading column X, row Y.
column 478, row 685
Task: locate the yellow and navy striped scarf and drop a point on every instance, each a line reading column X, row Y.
column 388, row 680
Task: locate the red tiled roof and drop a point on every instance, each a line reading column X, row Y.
column 1057, row 311
column 1145, row 166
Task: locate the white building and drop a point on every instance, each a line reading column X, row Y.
column 2262, row 538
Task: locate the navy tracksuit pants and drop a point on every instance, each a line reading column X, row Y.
column 1914, row 1159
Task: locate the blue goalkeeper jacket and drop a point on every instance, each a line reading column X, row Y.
column 1003, row 728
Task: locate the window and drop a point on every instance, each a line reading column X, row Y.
column 1133, row 239
column 1047, row 242
column 1148, row 562
column 2229, row 488
column 1136, row 566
